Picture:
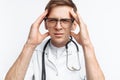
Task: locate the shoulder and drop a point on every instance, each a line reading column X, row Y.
column 39, row 49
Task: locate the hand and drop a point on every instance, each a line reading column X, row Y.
column 82, row 37
column 35, row 37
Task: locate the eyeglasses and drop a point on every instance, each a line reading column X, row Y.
column 64, row 22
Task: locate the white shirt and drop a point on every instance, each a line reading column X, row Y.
column 57, row 63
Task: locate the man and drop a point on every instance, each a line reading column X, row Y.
column 50, row 60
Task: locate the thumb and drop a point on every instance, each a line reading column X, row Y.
column 73, row 34
column 46, row 35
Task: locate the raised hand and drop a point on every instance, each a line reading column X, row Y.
column 35, row 37
column 82, row 37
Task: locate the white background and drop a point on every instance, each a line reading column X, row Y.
column 101, row 16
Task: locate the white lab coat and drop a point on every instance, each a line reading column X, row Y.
column 56, row 68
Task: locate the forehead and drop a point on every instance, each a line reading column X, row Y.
column 60, row 12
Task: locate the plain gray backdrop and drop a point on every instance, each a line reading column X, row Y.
column 101, row 16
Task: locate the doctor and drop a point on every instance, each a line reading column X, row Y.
column 57, row 58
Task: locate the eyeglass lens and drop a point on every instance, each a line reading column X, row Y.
column 52, row 22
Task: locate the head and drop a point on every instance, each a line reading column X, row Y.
column 59, row 22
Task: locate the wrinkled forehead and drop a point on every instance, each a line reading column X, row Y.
column 60, row 12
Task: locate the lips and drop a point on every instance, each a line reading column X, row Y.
column 58, row 34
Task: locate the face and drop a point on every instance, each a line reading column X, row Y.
column 59, row 25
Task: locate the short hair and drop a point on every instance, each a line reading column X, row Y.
column 54, row 3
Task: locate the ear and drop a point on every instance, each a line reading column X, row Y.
column 74, row 25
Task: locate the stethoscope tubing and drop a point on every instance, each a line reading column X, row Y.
column 43, row 75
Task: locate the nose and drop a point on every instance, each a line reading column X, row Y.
column 58, row 26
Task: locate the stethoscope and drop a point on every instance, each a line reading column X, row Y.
column 43, row 75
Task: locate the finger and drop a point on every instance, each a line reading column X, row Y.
column 75, row 16
column 80, row 18
column 73, row 34
column 40, row 18
column 46, row 35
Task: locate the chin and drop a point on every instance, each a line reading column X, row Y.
column 59, row 41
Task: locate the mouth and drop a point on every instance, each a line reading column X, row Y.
column 58, row 34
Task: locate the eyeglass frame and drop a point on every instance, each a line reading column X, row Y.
column 59, row 20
